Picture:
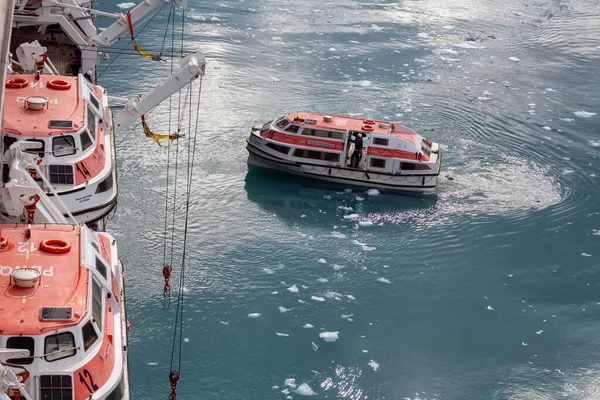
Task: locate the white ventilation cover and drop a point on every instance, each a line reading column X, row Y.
column 25, row 277
column 36, row 102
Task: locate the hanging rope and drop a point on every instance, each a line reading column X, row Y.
column 135, row 46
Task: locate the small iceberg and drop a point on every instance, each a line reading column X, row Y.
column 293, row 289
column 254, row 315
column 584, row 114
column 329, row 337
column 304, row 390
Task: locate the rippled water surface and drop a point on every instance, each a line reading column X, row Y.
column 489, row 289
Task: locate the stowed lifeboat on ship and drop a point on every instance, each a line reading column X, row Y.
column 327, row 147
column 69, row 120
column 63, row 327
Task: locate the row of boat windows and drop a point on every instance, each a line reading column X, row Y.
column 334, row 157
column 282, row 123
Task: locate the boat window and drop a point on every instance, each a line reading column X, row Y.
column 91, row 122
column 60, row 124
column 63, row 146
column 94, row 101
column 97, row 303
column 279, row 148
column 317, row 155
column 100, row 267
column 61, row 174
column 323, row 133
column 24, row 343
column 413, row 166
column 292, row 128
column 282, row 123
column 56, row 387
column 89, row 335
column 426, row 150
column 380, row 141
column 377, row 163
column 59, row 346
column 41, row 152
column 86, row 142
column 105, row 185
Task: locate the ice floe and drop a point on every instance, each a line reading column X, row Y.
column 317, row 298
column 546, row 128
column 254, row 315
column 333, row 295
column 305, row 390
column 268, row 271
column 322, row 261
column 282, row 334
column 539, row 332
column 586, row 254
column 125, row 6
column 351, row 216
column 329, row 337
column 282, row 309
column 364, row 83
column 365, row 223
column 338, row 235
column 515, row 59
column 345, row 208
column 338, row 267
column 291, row 382
column 490, row 308
column 584, row 114
column 350, row 297
column 373, row 364
column 322, row 280
column 373, row 192
column 384, row 280
column 153, row 363
column 308, row 326
column 293, row 289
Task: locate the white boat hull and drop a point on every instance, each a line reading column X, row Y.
column 342, row 175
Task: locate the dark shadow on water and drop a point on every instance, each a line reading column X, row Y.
column 290, row 197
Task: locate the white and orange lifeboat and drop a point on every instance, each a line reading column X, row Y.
column 69, row 120
column 347, row 150
column 63, row 328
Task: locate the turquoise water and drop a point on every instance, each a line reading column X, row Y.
column 488, row 290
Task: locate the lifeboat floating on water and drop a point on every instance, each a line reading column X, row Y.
column 328, row 147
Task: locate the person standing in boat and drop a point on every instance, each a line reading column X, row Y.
column 357, row 154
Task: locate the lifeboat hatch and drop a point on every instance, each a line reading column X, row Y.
column 56, row 314
column 25, row 277
column 327, row 118
column 36, row 103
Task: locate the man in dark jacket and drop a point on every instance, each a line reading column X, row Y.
column 357, row 154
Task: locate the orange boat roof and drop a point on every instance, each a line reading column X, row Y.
column 62, row 283
column 62, row 105
column 344, row 122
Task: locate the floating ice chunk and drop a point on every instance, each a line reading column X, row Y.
column 303, row 216
column 448, row 27
column 338, row 267
column 282, row 334
column 490, row 308
column 586, row 254
column 317, row 298
column 275, row 292
column 125, row 6
column 384, row 280
column 329, row 337
column 567, row 119
column 268, row 271
column 333, row 295
column 285, row 391
column 187, row 340
column 515, row 59
column 524, row 344
column 224, row 322
column 305, row 390
column 254, row 315
column 347, row 316
column 350, row 297
column 293, row 289
column 327, row 197
column 215, row 19
column 332, row 49
column 322, row 261
column 374, row 365
column 351, row 216
column 356, row 242
column 596, row 232
column 338, row 235
column 358, row 198
column 277, row 38
column 423, row 35
column 291, row 382
column 273, row 79
column 345, row 208
column 301, row 301
column 373, row 192
column 364, row 83
column 307, row 326
column 468, row 45
column 354, row 41
column 365, row 223
column 584, row 114
column 314, row 346
column 539, row 332
column 153, row 363
column 322, row 280
column 510, row 275
column 282, row 309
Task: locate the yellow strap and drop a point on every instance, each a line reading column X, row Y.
column 158, row 136
column 146, row 54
